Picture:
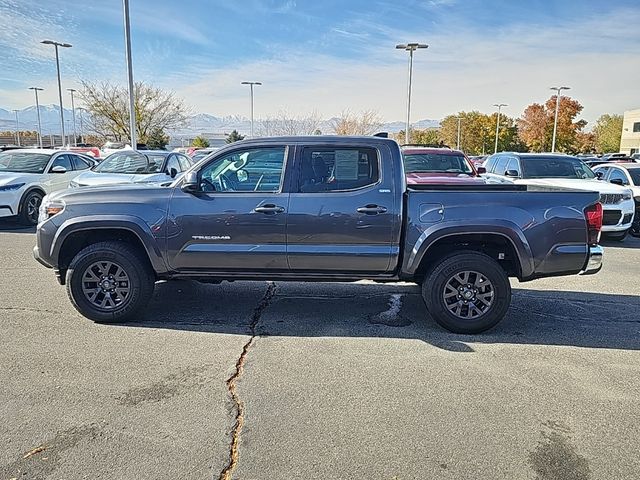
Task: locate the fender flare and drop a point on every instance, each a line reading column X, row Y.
column 131, row 223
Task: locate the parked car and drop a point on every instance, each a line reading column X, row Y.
column 201, row 153
column 128, row 166
column 319, row 209
column 627, row 175
column 428, row 165
column 568, row 172
column 478, row 160
column 89, row 151
column 27, row 175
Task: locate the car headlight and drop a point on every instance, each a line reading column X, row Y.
column 73, row 184
column 49, row 208
column 13, row 186
column 628, row 195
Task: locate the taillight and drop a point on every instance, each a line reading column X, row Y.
column 593, row 215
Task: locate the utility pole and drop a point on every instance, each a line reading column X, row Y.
column 499, row 105
column 251, row 84
column 132, row 107
column 17, row 128
column 410, row 47
column 555, row 120
column 73, row 111
column 36, row 90
column 56, row 45
column 458, row 144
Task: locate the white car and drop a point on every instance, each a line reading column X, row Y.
column 567, row 172
column 626, row 175
column 128, row 166
column 27, row 175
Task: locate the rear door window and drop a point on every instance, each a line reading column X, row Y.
column 79, row 163
column 330, row 169
column 501, row 165
column 514, row 164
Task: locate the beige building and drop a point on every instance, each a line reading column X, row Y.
column 630, row 141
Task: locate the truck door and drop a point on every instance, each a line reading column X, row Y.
column 237, row 221
column 342, row 212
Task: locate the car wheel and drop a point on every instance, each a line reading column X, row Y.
column 109, row 282
column 617, row 236
column 467, row 292
column 635, row 227
column 30, row 208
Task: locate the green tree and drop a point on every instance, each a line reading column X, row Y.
column 234, row 137
column 478, row 132
column 157, row 139
column 200, row 142
column 427, row 136
column 608, row 131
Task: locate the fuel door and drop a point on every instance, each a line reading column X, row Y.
column 431, row 212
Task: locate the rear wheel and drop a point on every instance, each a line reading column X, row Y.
column 30, row 208
column 468, row 292
column 109, row 282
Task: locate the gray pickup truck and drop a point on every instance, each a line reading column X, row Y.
column 316, row 209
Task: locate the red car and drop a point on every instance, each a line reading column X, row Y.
column 438, row 166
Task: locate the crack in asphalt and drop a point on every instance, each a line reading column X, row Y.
column 234, row 451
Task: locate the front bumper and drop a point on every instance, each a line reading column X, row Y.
column 594, row 262
column 9, row 202
column 618, row 217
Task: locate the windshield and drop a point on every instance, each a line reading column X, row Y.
column 554, row 167
column 23, row 162
column 436, row 163
column 131, row 163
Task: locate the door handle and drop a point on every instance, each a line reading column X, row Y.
column 371, row 209
column 269, row 209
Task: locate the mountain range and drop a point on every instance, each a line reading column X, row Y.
column 198, row 123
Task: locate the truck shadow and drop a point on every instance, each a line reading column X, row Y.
column 536, row 317
column 629, row 242
column 12, row 226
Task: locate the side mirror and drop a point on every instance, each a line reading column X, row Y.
column 599, row 175
column 617, row 181
column 58, row 169
column 190, row 183
column 481, row 170
column 173, row 172
column 511, row 173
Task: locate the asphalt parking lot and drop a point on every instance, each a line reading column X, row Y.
column 341, row 381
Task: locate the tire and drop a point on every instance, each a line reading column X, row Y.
column 617, row 236
column 635, row 227
column 29, row 208
column 486, row 303
column 129, row 282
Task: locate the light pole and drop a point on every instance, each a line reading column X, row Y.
column 17, row 128
column 36, row 90
column 73, row 111
column 555, row 121
column 132, row 107
column 56, row 45
column 410, row 47
column 499, row 105
column 251, row 84
column 81, row 110
column 458, row 144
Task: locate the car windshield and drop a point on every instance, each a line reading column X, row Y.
column 436, row 163
column 635, row 176
column 554, row 167
column 23, row 162
column 131, row 163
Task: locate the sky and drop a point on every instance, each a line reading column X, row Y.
column 333, row 55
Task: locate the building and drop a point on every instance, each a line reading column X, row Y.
column 630, row 141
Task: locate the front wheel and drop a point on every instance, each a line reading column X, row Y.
column 468, row 292
column 29, row 208
column 109, row 282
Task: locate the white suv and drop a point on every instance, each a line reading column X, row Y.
column 27, row 175
column 567, row 172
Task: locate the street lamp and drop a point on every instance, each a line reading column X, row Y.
column 36, row 90
column 56, row 45
column 81, row 110
column 555, row 121
column 410, row 47
column 499, row 105
column 17, row 128
column 251, row 84
column 458, row 144
column 127, row 41
column 73, row 111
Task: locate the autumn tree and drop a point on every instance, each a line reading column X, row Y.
column 366, row 122
column 535, row 126
column 108, row 107
column 608, row 132
column 287, row 124
column 234, row 136
column 200, row 142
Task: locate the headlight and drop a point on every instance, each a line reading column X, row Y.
column 49, row 208
column 628, row 195
column 73, row 184
column 14, row 186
